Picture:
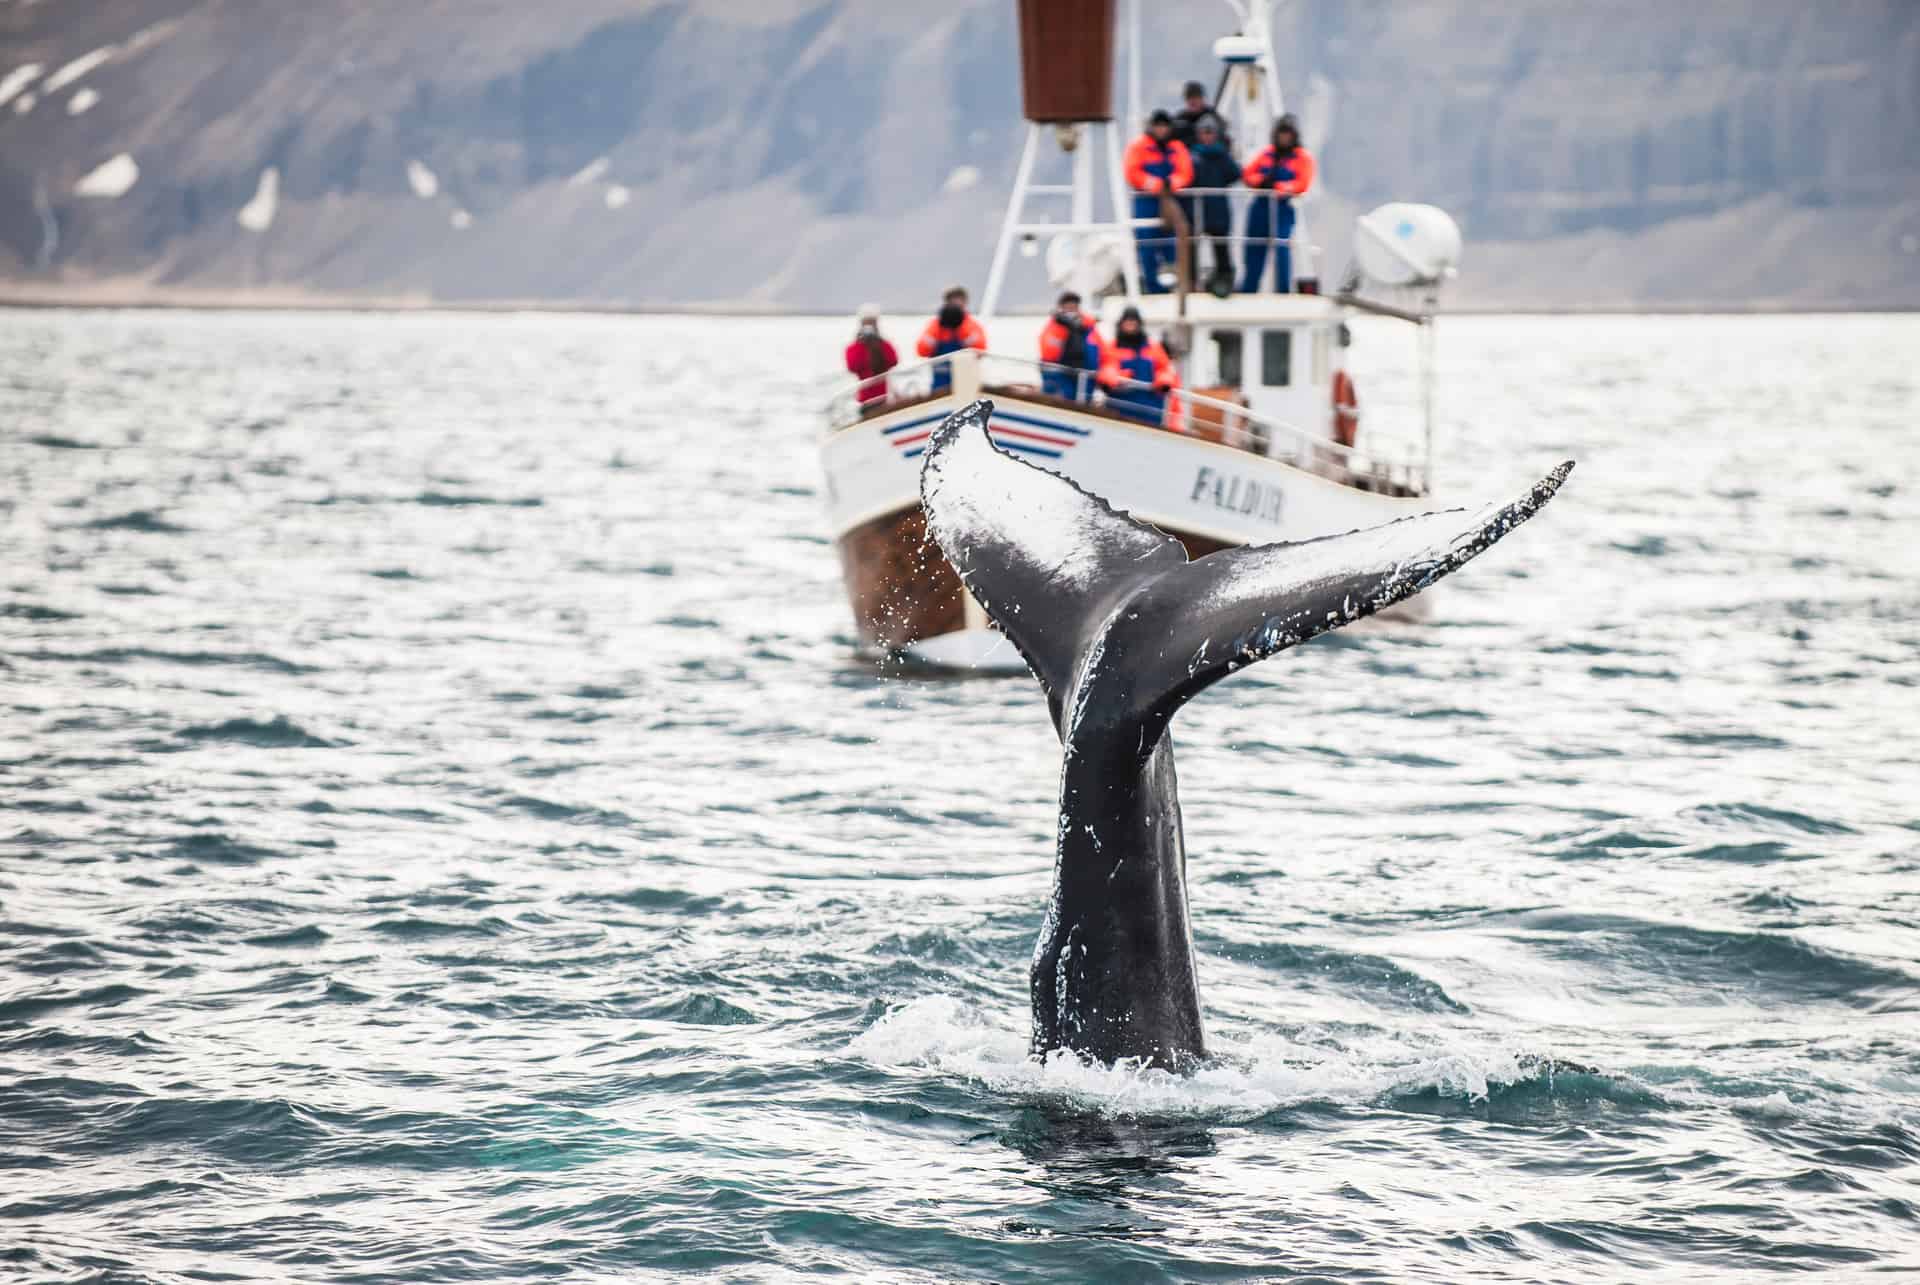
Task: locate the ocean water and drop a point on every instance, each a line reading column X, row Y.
column 449, row 836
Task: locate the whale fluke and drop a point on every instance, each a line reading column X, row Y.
column 1121, row 630
column 1052, row 563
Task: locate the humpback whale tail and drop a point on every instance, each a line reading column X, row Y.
column 1076, row 585
column 1122, row 630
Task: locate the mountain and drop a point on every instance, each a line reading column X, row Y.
column 807, row 154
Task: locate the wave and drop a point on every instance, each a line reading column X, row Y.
column 1243, row 1081
column 35, row 612
column 147, row 520
column 277, row 733
column 121, row 655
column 441, row 499
column 1764, row 966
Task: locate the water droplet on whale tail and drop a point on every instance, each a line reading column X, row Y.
column 1115, row 621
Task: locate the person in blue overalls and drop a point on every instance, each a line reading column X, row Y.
column 1156, row 162
column 1280, row 173
column 1136, row 372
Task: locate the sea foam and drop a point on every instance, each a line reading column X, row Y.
column 1246, row 1078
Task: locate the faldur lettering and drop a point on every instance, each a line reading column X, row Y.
column 1236, row 495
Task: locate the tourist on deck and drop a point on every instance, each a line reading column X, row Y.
column 950, row 330
column 1280, row 172
column 1156, row 162
column 1071, row 350
column 1136, row 372
column 869, row 358
column 1213, row 166
column 1186, row 120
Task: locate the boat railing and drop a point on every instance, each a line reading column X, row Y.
column 1301, row 261
column 1179, row 410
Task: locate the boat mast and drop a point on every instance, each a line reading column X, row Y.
column 1066, row 70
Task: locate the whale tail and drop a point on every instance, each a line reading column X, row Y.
column 1119, row 627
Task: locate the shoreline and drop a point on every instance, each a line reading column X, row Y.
column 120, row 299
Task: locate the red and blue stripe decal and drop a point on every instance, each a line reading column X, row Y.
column 1027, row 434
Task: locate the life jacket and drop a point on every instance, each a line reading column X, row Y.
column 1289, row 175
column 938, row 340
column 1147, row 364
column 1151, row 163
column 1079, row 348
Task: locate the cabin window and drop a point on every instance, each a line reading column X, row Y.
column 1226, row 357
column 1276, row 358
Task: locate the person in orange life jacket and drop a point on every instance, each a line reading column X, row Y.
column 1069, row 346
column 869, row 358
column 950, row 330
column 1156, row 162
column 1213, row 166
column 1136, row 371
column 1281, row 172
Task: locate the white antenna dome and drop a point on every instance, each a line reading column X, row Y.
column 1236, row 49
column 1404, row 244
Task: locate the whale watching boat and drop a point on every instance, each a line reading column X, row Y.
column 1257, row 444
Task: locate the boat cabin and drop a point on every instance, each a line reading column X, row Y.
column 1275, row 353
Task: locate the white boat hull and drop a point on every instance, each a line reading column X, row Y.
column 906, row 599
column 1183, row 485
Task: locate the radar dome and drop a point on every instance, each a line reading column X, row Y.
column 1404, row 244
column 1236, row 49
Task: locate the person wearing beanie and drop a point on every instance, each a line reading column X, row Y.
column 1282, row 171
column 869, row 358
column 1156, row 163
column 950, row 330
column 1211, row 215
column 1136, row 372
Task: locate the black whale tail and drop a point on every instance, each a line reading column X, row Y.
column 1119, row 627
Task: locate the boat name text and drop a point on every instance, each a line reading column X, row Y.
column 1234, row 494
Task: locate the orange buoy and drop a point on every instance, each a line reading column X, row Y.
column 1346, row 409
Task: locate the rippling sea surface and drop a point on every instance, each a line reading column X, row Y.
column 448, row 835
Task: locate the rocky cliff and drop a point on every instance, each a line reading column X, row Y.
column 809, row 153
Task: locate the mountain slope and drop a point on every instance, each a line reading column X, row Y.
column 809, row 154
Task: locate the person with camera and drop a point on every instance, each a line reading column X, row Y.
column 950, row 330
column 869, row 358
column 1071, row 350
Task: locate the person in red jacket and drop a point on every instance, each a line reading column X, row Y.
column 1071, row 349
column 869, row 358
column 950, row 330
column 1281, row 172
column 1156, row 162
column 1136, row 371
